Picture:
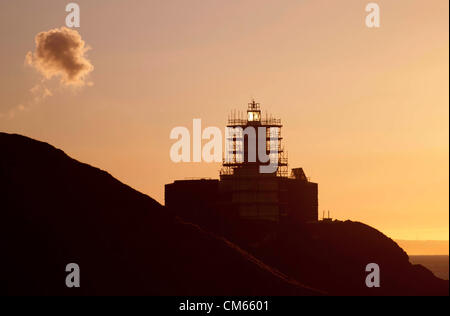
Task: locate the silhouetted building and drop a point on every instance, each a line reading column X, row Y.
column 194, row 200
column 246, row 192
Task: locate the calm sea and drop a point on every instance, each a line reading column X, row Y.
column 437, row 264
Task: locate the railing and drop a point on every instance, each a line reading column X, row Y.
column 245, row 122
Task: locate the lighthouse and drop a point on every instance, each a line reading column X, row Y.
column 254, row 185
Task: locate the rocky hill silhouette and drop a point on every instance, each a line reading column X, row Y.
column 55, row 210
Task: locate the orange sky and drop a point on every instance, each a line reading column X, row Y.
column 365, row 110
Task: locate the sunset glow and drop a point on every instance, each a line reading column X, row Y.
column 365, row 111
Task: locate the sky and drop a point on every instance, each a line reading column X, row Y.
column 365, row 110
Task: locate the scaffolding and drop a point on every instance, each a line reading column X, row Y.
column 239, row 142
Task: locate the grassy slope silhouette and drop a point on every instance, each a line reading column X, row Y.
column 55, row 210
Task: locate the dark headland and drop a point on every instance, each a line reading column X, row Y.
column 55, row 210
